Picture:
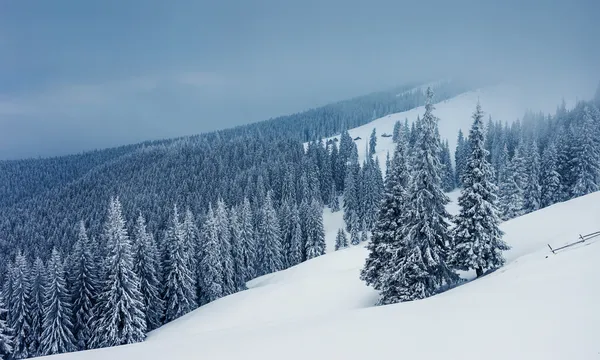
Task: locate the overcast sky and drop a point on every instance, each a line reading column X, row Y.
column 77, row 75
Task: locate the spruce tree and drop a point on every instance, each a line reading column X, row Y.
column 373, row 143
column 239, row 270
column 418, row 267
column 119, row 311
column 180, row 294
column 146, row 264
column 477, row 238
column 190, row 234
column 57, row 336
column 550, row 177
column 334, row 203
column 350, row 197
column 533, row 191
column 85, row 285
column 36, row 306
column 341, row 240
column 247, row 240
column 354, row 238
column 448, row 175
column 585, row 164
column 6, row 333
column 511, row 190
column 19, row 315
column 388, row 224
column 459, row 157
column 211, row 268
column 296, row 242
column 315, row 243
column 222, row 218
column 271, row 254
column 397, row 131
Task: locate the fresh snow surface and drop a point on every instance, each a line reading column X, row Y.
column 504, row 102
column 538, row 306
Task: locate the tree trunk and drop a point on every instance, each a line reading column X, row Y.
column 479, row 272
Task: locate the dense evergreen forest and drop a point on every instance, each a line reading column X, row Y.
column 99, row 248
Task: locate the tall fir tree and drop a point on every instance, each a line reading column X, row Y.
column 180, row 294
column 448, row 175
column 6, row 333
column 271, row 254
column 19, row 315
column 295, row 251
column 373, row 143
column 418, row 267
column 511, row 190
column 146, row 264
column 211, row 267
column 190, row 235
column 477, row 241
column 551, row 181
column 585, row 164
column 222, row 218
column 355, row 227
column 460, row 157
column 532, row 196
column 85, row 285
column 57, row 336
column 315, row 244
column 397, row 131
column 239, row 270
column 388, row 224
column 119, row 311
column 341, row 240
column 247, row 240
column 36, row 305
column 350, row 197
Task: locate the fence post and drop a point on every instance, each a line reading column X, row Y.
column 551, row 249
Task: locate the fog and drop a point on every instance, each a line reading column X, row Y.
column 80, row 75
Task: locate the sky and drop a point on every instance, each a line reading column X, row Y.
column 79, row 75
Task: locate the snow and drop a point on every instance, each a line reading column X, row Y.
column 538, row 306
column 503, row 102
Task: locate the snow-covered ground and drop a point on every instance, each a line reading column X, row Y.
column 505, row 103
column 538, row 306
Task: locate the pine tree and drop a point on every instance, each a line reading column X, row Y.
column 85, row 285
column 239, row 270
column 57, row 336
column 222, row 219
column 397, row 131
column 459, row 157
column 533, row 190
column 6, row 333
column 418, row 267
column 247, row 240
column 350, row 197
column 388, row 224
column 295, row 252
column 334, row 203
column 341, row 240
column 146, row 264
column 19, row 316
column 550, row 177
column 372, row 143
column 586, row 162
column 271, row 254
column 354, row 239
column 180, row 297
column 511, row 190
column 477, row 238
column 448, row 175
column 190, row 234
column 36, row 306
column 211, row 268
column 119, row 311
column 315, row 244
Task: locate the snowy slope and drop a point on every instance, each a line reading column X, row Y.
column 538, row 306
column 506, row 103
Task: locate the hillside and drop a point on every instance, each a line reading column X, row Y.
column 538, row 306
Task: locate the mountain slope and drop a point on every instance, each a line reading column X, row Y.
column 538, row 306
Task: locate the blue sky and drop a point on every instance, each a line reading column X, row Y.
column 77, row 75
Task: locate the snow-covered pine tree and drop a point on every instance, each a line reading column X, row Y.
column 85, row 285
column 36, row 305
column 247, row 240
column 354, row 236
column 334, row 203
column 460, row 157
column 550, row 177
column 19, row 315
column 190, row 234
column 271, row 254
column 211, row 268
column 341, row 240
column 477, row 238
column 6, row 333
column 532, row 196
column 397, row 131
column 448, row 175
column 239, row 270
column 315, row 243
column 418, row 267
column 119, row 311
column 222, row 218
column 585, row 164
column 511, row 190
column 180, row 294
column 373, row 143
column 350, row 197
column 57, row 336
column 364, row 236
column 296, row 240
column 146, row 264
column 387, row 227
